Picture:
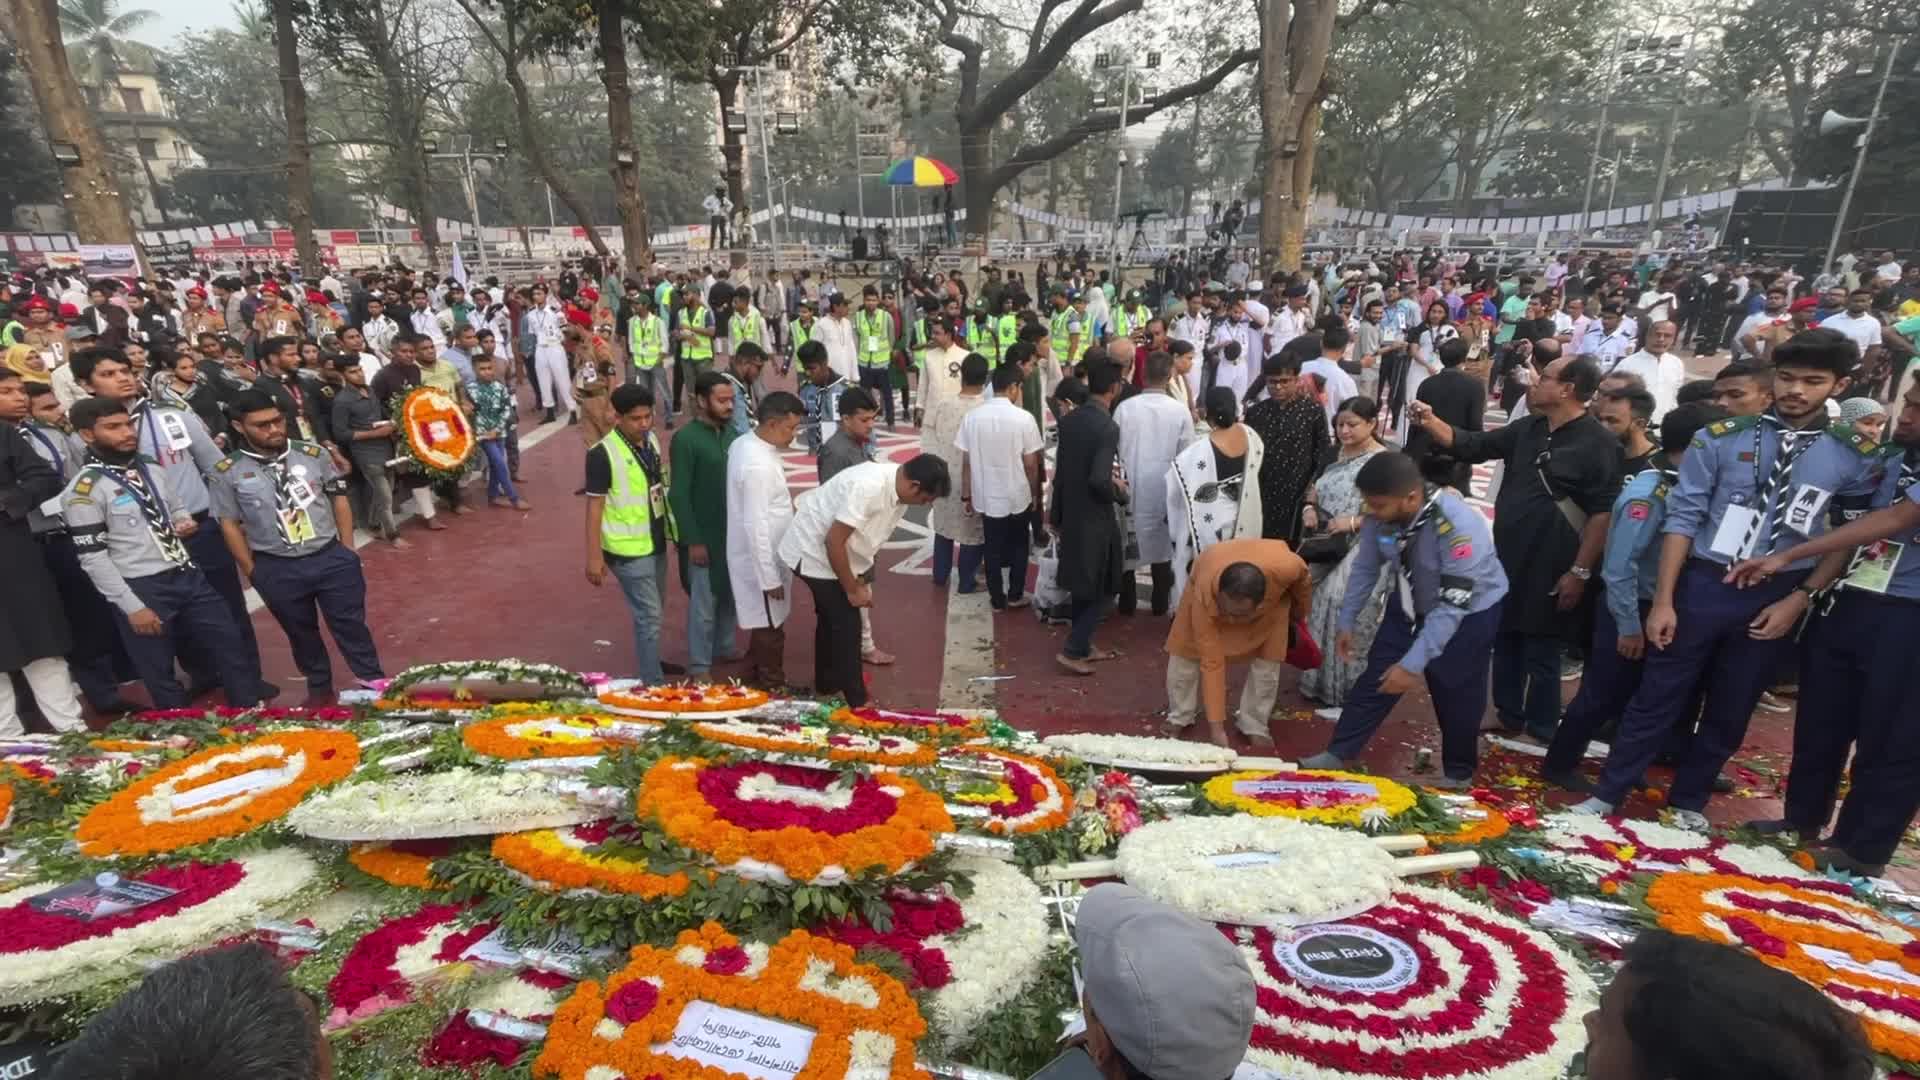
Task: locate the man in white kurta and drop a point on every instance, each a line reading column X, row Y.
column 1154, row 427
column 544, row 322
column 759, row 509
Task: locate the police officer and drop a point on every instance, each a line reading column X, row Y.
column 1748, row 485
column 1440, row 621
column 272, row 497
column 1855, row 688
column 177, row 441
column 1629, row 569
column 129, row 524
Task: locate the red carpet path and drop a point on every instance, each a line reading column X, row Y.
column 505, row 583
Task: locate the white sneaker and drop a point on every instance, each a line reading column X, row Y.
column 1691, row 820
column 1591, row 808
column 1331, row 712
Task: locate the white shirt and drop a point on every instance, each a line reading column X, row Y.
column 836, row 336
column 1863, row 329
column 379, row 332
column 1340, row 385
column 424, row 321
column 759, row 509
column 1888, row 271
column 1656, row 304
column 1663, row 375
column 545, row 324
column 1603, row 346
column 371, row 364
column 996, row 437
column 1154, row 428
column 864, row 498
column 1286, row 325
column 940, row 377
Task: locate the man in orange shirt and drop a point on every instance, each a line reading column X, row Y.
column 1239, row 605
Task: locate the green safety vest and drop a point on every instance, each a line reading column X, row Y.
column 802, row 333
column 876, row 337
column 697, row 347
column 626, row 522
column 919, row 342
column 1057, row 330
column 1125, row 322
column 14, row 331
column 1009, row 331
column 645, row 336
column 747, row 329
column 982, row 339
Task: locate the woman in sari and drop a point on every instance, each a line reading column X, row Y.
column 1213, row 487
column 1336, row 507
column 1436, row 331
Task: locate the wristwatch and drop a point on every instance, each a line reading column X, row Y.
column 1580, row 572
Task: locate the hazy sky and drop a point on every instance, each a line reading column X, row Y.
column 175, row 17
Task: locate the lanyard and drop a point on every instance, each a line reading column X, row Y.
column 152, row 503
column 59, row 459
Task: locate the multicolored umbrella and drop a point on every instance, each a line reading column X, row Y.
column 921, row 172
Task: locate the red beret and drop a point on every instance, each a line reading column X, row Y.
column 270, row 288
column 590, row 295
column 1805, row 303
column 38, row 303
column 579, row 318
column 68, row 311
column 197, row 291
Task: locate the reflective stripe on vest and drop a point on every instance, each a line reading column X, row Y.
column 874, row 327
column 1057, row 330
column 802, row 333
column 626, row 522
column 1009, row 330
column 696, row 346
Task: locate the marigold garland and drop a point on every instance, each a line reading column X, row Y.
column 1778, row 922
column 434, row 431
column 127, row 746
column 1335, row 808
column 887, row 823
column 406, row 863
column 833, row 745
column 544, row 735
column 863, row 1022
column 140, row 820
column 1033, row 798
column 913, row 723
column 1491, row 826
column 558, row 859
column 694, row 698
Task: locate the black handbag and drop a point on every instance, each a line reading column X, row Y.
column 1325, row 547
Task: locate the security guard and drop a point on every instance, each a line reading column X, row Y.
column 1440, row 620
column 1747, row 485
column 272, row 498
column 1131, row 316
column 1855, row 688
column 129, row 524
column 873, row 332
column 1007, row 324
column 1630, row 568
column 800, row 331
column 647, row 346
column 177, row 441
column 1062, row 325
column 983, row 336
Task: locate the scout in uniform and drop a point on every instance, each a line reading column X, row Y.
column 1630, row 568
column 47, row 338
column 873, row 332
column 276, row 317
column 198, row 318
column 272, row 498
column 1855, row 691
column 1440, row 620
column 1747, row 485
column 129, row 525
column 647, row 346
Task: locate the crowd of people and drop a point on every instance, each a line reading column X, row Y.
column 1288, row 457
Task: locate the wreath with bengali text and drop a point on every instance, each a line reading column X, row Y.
column 435, row 435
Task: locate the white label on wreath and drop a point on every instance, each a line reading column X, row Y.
column 1257, row 788
column 1342, row 956
column 1882, row 969
column 439, row 431
column 247, row 783
column 739, row 1042
column 1244, row 860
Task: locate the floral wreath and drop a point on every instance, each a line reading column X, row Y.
column 1866, row 962
column 1257, row 871
column 877, row 749
column 678, row 700
column 10, row 775
column 417, row 806
column 1026, row 795
column 405, row 863
column 1612, row 850
column 160, row 811
column 43, row 954
column 380, row 970
column 561, row 860
column 786, row 823
column 1492, row 999
column 553, row 735
column 1495, row 820
column 912, row 723
column 528, row 995
column 325, row 714
column 547, row 680
column 1320, row 795
column 436, row 436
column 1142, row 751
column 864, row 1022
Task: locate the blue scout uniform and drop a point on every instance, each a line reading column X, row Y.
column 186, row 453
column 1629, row 570
column 123, row 521
column 1742, row 493
column 1439, row 621
column 1855, row 688
column 283, row 505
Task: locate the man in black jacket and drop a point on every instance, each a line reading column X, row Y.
column 1460, row 400
column 1085, row 491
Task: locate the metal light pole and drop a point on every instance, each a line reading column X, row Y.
column 1666, row 150
column 466, row 157
column 1105, row 59
column 1599, row 132
column 1860, row 159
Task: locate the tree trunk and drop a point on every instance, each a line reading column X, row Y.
column 628, row 199
column 536, row 152
column 1294, row 41
column 733, row 151
column 293, row 99
column 1466, row 173
column 976, row 185
column 95, row 205
column 403, row 122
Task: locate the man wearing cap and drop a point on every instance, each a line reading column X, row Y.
column 874, row 333
column 647, row 348
column 275, row 317
column 1610, row 340
column 1290, row 321
column 1130, row 318
column 1189, row 1019
column 198, row 318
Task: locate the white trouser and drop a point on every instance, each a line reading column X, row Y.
column 53, row 691
column 423, row 502
column 866, row 630
column 1256, row 698
column 550, row 367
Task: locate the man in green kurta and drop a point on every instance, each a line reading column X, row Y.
column 698, row 494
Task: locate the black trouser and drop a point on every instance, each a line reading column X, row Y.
column 1162, row 590
column 90, row 615
column 1006, row 557
column 836, row 641
column 880, row 381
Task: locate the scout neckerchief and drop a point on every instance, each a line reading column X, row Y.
column 137, row 482
column 1404, row 546
column 1793, row 443
column 295, row 524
